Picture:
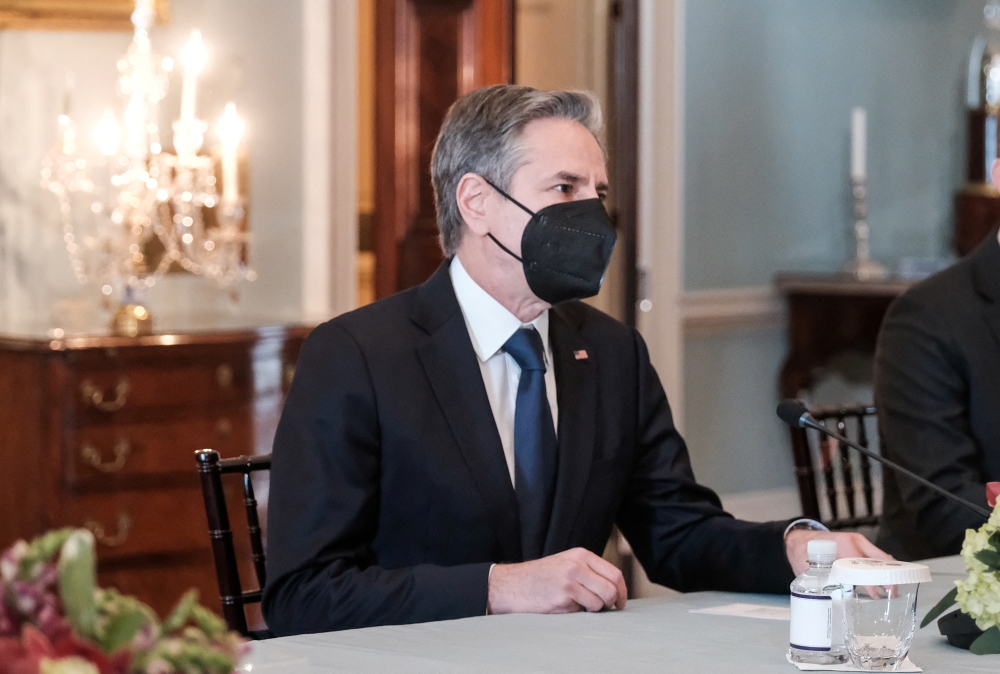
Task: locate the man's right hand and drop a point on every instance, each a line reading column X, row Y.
column 574, row 580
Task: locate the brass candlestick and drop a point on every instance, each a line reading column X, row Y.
column 862, row 267
column 131, row 320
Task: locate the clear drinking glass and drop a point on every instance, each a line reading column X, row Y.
column 879, row 621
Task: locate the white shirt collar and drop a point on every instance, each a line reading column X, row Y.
column 490, row 324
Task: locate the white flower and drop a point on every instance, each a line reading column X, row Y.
column 979, row 593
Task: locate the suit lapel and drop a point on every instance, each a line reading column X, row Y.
column 452, row 368
column 576, row 379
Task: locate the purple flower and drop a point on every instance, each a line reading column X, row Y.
column 144, row 639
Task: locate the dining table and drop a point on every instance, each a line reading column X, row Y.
column 664, row 634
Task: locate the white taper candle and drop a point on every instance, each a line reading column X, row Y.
column 230, row 130
column 194, row 61
column 859, row 143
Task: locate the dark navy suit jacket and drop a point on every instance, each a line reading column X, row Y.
column 390, row 495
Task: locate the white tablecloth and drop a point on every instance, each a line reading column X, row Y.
column 651, row 635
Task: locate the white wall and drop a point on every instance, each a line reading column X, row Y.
column 768, row 96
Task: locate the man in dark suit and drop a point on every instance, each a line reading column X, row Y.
column 937, row 390
column 463, row 447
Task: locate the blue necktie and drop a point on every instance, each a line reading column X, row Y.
column 535, row 445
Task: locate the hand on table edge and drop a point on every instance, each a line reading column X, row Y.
column 567, row 582
column 849, row 544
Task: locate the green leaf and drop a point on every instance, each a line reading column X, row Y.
column 78, row 582
column 991, row 558
column 988, row 642
column 946, row 602
column 211, row 624
column 122, row 629
column 995, row 540
column 42, row 549
column 181, row 612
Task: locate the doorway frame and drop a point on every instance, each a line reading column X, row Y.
column 660, row 223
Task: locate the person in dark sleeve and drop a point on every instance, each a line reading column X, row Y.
column 465, row 447
column 937, row 391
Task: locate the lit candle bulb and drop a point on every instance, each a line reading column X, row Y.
column 108, row 134
column 230, row 130
column 193, row 57
column 68, row 134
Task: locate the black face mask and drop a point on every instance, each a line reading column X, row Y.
column 565, row 248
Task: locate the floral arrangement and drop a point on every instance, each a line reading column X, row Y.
column 55, row 620
column 978, row 596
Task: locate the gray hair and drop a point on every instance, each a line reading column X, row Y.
column 481, row 134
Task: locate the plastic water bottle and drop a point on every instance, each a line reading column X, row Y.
column 817, row 630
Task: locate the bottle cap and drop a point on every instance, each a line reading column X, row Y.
column 820, row 550
column 864, row 571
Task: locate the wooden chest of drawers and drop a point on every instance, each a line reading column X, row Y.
column 101, row 432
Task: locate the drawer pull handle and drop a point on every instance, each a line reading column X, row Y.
column 93, row 457
column 224, row 375
column 224, row 428
column 116, row 541
column 94, row 397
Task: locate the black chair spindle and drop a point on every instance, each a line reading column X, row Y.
column 211, row 468
column 846, row 470
column 253, row 528
column 866, row 466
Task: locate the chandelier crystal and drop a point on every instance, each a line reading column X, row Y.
column 137, row 210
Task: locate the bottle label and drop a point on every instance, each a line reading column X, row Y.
column 812, row 622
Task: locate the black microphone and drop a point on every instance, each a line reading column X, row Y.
column 795, row 414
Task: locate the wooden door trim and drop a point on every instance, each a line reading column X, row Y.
column 623, row 141
column 406, row 249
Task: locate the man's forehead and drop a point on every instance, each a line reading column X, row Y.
column 561, row 148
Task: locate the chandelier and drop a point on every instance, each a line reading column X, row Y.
column 138, row 211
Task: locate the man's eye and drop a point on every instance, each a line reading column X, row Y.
column 565, row 188
column 602, row 196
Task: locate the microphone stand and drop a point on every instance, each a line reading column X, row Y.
column 805, row 420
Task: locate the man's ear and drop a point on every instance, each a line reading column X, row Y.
column 472, row 194
column 995, row 173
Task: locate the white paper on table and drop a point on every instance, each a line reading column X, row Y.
column 906, row 666
column 749, row 611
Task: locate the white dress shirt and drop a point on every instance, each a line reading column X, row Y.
column 490, row 325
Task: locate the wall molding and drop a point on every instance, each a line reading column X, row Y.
column 329, row 157
column 728, row 309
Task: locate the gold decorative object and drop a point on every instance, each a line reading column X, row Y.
column 132, row 320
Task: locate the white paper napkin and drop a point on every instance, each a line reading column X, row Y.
column 906, row 666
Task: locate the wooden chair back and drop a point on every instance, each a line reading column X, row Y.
column 211, row 468
column 834, row 489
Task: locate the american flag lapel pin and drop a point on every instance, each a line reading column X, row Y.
column 581, row 354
